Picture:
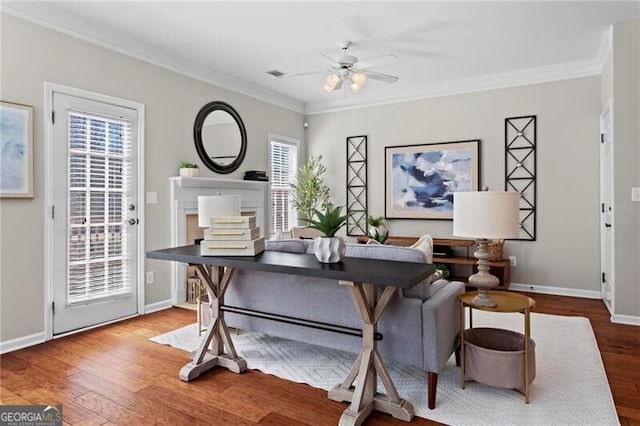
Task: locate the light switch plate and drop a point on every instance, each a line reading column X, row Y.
column 635, row 194
column 152, row 197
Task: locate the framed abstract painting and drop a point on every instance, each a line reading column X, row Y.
column 16, row 150
column 420, row 179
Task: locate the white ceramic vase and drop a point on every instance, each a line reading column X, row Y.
column 329, row 249
column 189, row 172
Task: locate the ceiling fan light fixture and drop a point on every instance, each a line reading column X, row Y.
column 357, row 81
column 332, row 82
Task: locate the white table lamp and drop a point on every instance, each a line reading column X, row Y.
column 485, row 215
column 210, row 206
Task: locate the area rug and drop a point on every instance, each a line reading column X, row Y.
column 570, row 387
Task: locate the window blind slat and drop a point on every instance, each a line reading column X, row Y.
column 98, row 172
column 284, row 166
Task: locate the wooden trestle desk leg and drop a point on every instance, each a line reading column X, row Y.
column 369, row 364
column 222, row 351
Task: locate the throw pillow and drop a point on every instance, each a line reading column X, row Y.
column 425, row 244
column 305, row 233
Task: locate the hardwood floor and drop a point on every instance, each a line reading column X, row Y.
column 114, row 375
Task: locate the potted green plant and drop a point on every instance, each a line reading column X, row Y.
column 188, row 169
column 309, row 190
column 443, row 269
column 378, row 230
column 329, row 249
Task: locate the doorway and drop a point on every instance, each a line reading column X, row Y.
column 94, row 237
column 606, row 207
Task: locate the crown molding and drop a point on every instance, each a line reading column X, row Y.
column 606, row 47
column 468, row 85
column 45, row 15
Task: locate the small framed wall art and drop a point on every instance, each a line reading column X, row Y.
column 420, row 179
column 16, row 150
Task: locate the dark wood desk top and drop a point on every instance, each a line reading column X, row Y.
column 371, row 271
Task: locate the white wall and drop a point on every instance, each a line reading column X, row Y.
column 626, row 135
column 566, row 253
column 30, row 55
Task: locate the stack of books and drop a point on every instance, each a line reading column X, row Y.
column 232, row 236
column 256, row 175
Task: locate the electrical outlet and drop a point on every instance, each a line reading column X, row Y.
column 512, row 261
column 635, row 194
column 150, row 277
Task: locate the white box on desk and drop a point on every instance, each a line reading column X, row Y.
column 231, row 234
column 227, row 222
column 231, row 248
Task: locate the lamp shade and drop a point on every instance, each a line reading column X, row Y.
column 210, row 206
column 486, row 214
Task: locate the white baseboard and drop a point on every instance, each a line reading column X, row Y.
column 158, row 306
column 572, row 292
column 22, row 342
column 34, row 339
column 625, row 319
column 558, row 291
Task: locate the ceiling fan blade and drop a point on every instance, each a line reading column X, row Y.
column 387, row 78
column 426, row 54
column 300, row 74
column 334, row 62
column 380, row 60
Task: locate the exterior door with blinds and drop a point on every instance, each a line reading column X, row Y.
column 94, row 213
column 283, row 167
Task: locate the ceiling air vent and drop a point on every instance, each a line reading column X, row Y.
column 276, row 73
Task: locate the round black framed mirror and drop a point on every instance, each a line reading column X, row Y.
column 220, row 137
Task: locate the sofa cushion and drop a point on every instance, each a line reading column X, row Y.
column 288, row 246
column 385, row 252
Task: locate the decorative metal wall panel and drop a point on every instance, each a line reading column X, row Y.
column 520, row 169
column 357, row 206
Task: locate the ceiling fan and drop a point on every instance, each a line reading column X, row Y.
column 348, row 68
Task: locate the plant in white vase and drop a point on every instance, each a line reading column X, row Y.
column 378, row 230
column 188, row 169
column 329, row 249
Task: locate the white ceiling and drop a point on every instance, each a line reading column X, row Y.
column 443, row 47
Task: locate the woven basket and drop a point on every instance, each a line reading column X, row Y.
column 495, row 249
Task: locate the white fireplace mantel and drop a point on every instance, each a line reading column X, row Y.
column 183, row 197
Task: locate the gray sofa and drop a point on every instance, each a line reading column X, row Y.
column 419, row 326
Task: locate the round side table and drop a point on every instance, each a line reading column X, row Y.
column 506, row 302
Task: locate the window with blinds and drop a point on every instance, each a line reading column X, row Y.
column 99, row 171
column 284, row 166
